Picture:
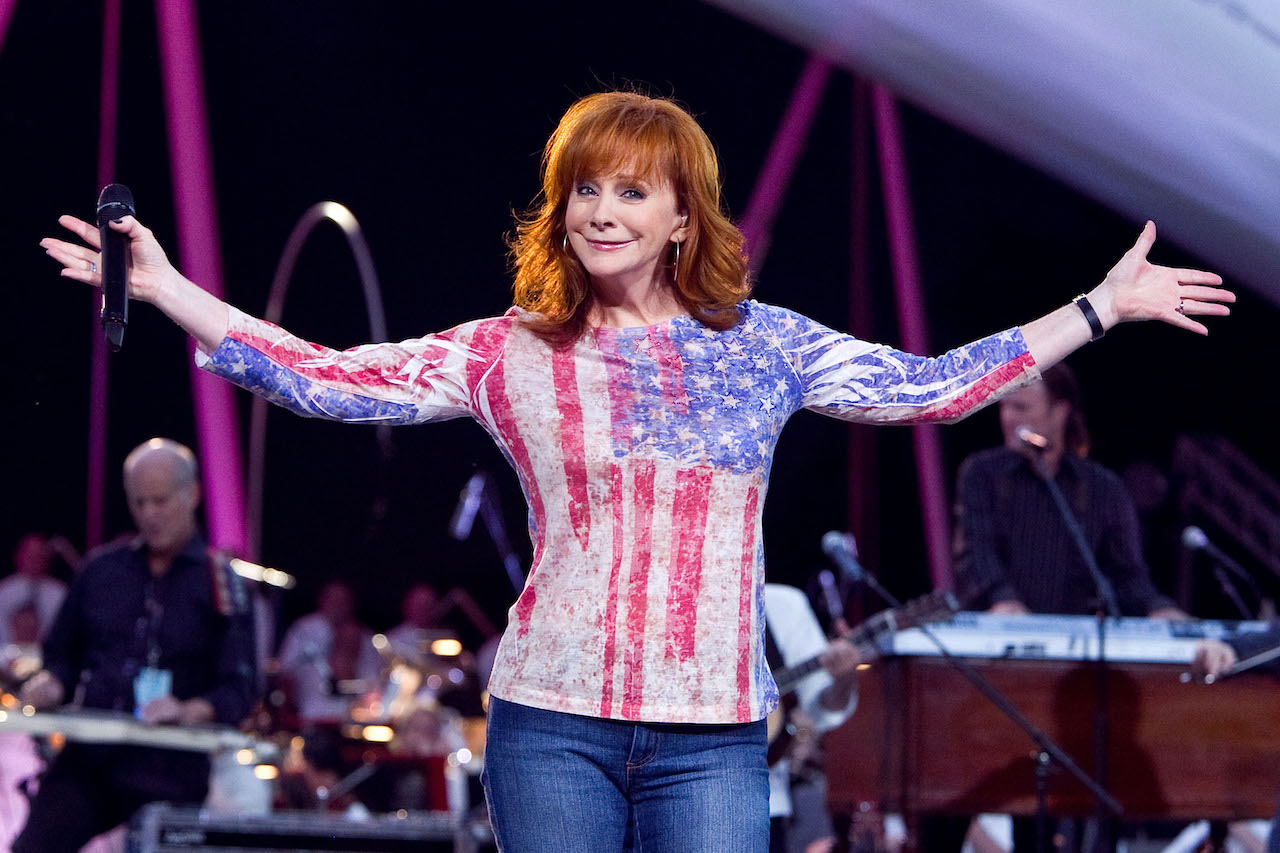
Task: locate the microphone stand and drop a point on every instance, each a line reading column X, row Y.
column 1107, row 607
column 1232, row 591
column 1048, row 751
column 491, row 514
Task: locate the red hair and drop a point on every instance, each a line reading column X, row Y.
column 650, row 138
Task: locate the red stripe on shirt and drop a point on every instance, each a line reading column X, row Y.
column 573, row 452
column 689, row 528
column 334, row 372
column 746, row 597
column 977, row 394
column 638, row 590
column 611, row 599
column 490, row 338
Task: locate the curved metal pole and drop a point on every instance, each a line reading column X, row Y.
column 329, row 211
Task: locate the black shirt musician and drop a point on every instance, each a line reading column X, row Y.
column 157, row 627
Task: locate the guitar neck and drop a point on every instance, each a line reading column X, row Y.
column 788, row 677
column 925, row 609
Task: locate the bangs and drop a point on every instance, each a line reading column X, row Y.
column 636, row 143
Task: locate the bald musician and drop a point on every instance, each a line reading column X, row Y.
column 156, row 626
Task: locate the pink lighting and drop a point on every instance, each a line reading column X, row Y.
column 7, row 8
column 911, row 320
column 96, row 461
column 200, row 257
column 784, row 153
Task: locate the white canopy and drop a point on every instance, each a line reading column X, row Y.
column 1163, row 109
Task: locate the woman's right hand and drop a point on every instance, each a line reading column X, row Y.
column 150, row 270
column 151, row 277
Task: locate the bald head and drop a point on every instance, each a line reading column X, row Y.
column 185, row 471
column 160, row 482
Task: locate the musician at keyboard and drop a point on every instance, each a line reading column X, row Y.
column 156, row 626
column 1015, row 554
column 1013, row 550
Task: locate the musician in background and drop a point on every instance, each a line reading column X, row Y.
column 421, row 610
column 797, row 790
column 156, row 627
column 31, row 586
column 325, row 650
column 1013, row 551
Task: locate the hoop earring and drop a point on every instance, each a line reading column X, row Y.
column 564, row 244
column 675, row 273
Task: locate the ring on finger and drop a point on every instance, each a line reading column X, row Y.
column 94, row 268
column 1182, row 306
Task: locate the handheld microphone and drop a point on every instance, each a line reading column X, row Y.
column 115, row 201
column 843, row 551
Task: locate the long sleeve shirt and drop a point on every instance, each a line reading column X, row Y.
column 1012, row 543
column 193, row 621
column 644, row 456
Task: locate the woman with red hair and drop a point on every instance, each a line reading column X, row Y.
column 638, row 393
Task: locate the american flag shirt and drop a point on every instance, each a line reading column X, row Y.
column 644, row 455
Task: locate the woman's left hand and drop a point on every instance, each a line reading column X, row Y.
column 1136, row 289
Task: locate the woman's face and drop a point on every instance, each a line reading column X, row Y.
column 621, row 228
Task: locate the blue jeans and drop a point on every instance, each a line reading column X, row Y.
column 561, row 782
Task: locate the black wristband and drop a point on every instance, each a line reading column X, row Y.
column 1091, row 316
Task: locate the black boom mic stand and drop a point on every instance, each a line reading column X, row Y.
column 1107, row 606
column 1047, row 752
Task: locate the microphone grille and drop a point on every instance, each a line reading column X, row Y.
column 1194, row 538
column 116, row 194
column 834, row 542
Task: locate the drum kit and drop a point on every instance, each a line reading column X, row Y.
column 412, row 741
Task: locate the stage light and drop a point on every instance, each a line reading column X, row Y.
column 446, row 647
column 378, row 734
column 262, row 574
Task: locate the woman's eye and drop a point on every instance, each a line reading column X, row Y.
column 584, row 190
column 632, row 192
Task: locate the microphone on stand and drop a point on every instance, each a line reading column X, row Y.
column 115, row 201
column 831, row 595
column 1032, row 439
column 468, row 505
column 1195, row 539
column 843, row 551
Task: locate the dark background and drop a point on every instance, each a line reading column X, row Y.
column 427, row 121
